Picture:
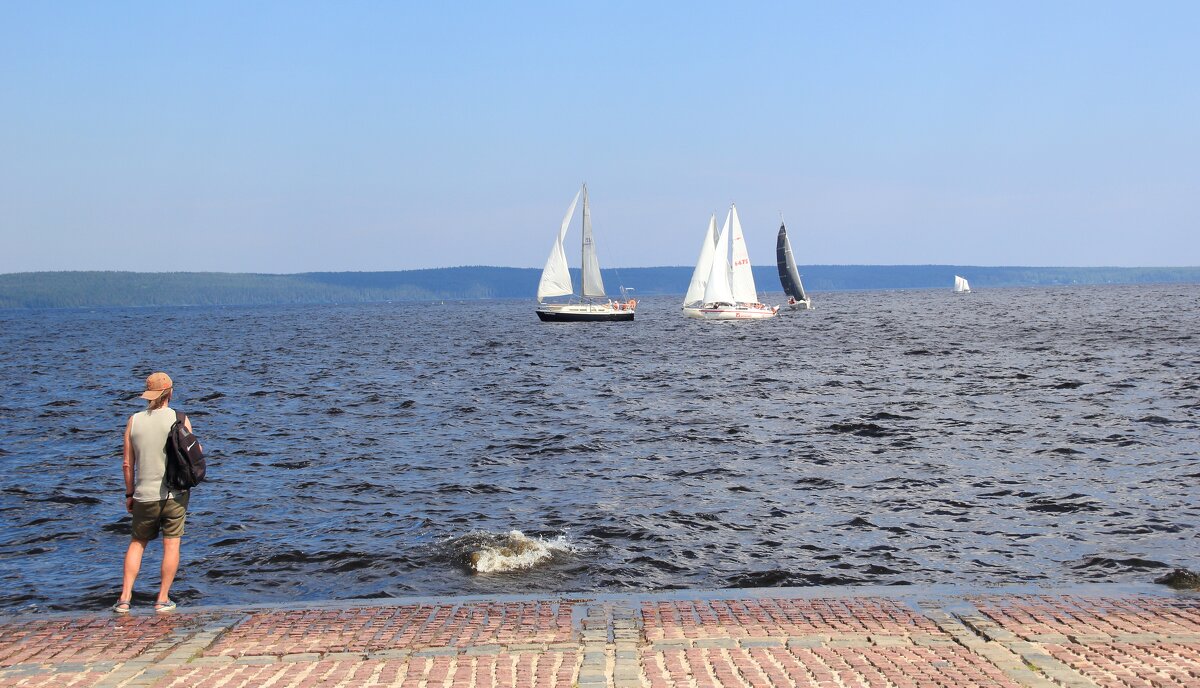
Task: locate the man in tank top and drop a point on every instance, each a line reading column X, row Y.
column 154, row 507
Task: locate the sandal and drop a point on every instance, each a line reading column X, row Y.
column 122, row 607
column 168, row 606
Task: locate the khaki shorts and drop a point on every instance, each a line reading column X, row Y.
column 169, row 514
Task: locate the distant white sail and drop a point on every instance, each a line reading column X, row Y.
column 717, row 289
column 556, row 276
column 695, row 292
column 592, row 285
column 961, row 285
column 741, row 275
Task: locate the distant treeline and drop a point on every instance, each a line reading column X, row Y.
column 104, row 289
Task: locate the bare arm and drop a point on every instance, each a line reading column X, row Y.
column 127, row 466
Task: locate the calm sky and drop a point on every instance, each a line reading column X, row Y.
column 289, row 137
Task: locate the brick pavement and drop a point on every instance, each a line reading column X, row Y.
column 823, row 638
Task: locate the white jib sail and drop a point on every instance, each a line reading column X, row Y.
column 742, row 278
column 556, row 277
column 695, row 292
column 717, row 289
column 592, row 285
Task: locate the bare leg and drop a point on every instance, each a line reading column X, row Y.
column 169, row 566
column 133, row 564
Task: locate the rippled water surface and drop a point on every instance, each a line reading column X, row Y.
column 1020, row 435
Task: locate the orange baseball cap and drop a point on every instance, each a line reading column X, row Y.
column 156, row 385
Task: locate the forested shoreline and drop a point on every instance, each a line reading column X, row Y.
column 81, row 289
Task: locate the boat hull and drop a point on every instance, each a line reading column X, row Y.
column 730, row 313
column 583, row 313
column 805, row 305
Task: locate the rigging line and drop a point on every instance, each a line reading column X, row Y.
column 620, row 282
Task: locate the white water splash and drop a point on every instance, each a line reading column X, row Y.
column 516, row 551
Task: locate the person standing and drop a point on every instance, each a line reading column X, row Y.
column 154, row 506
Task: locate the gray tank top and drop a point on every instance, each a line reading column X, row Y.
column 148, row 432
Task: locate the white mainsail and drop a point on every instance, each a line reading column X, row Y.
column 717, row 289
column 593, row 285
column 695, row 292
column 556, row 276
column 741, row 276
column 960, row 284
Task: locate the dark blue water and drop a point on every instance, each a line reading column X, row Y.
column 1020, row 435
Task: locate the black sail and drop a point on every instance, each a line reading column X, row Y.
column 789, row 277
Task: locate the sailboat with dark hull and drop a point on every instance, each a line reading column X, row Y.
column 556, row 280
column 789, row 276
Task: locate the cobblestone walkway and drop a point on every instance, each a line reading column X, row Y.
column 729, row 638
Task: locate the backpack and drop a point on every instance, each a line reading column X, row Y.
column 185, row 459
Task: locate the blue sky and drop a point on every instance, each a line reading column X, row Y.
column 287, row 137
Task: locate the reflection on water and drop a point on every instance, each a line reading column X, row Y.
column 886, row 437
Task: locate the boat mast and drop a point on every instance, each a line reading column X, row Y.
column 583, row 247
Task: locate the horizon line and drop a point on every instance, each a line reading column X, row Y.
column 637, row 267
